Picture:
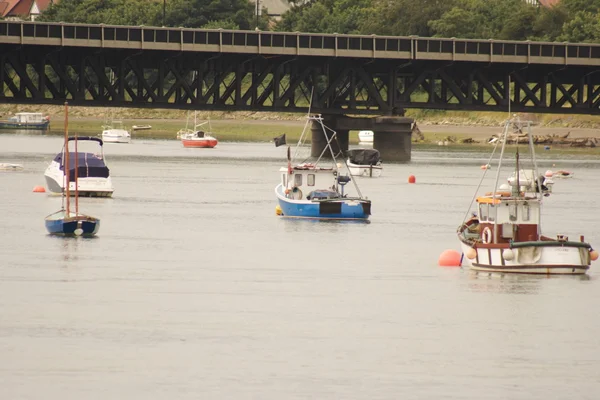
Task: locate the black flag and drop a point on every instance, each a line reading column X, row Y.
column 279, row 140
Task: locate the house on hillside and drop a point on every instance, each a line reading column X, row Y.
column 543, row 3
column 274, row 7
column 26, row 10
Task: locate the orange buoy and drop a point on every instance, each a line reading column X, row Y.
column 412, row 179
column 39, row 189
column 450, row 258
column 593, row 255
column 486, row 166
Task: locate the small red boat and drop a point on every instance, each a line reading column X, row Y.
column 196, row 137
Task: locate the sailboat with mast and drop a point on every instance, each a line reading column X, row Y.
column 197, row 137
column 504, row 234
column 66, row 222
column 324, row 183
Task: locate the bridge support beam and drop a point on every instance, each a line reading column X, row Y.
column 339, row 144
column 392, row 135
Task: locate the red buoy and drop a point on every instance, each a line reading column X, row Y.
column 450, row 258
column 39, row 189
column 412, row 179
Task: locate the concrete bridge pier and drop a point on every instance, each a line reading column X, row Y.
column 392, row 137
column 319, row 140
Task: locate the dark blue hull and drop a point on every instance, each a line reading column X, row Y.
column 81, row 225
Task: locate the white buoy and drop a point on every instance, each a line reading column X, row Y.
column 78, row 232
column 508, row 255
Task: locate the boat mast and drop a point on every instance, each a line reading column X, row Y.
column 494, row 193
column 67, row 183
column 76, row 178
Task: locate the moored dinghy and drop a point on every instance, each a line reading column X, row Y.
column 316, row 190
column 66, row 222
column 364, row 162
column 505, row 234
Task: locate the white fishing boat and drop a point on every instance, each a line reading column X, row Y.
column 115, row 132
column 365, row 136
column 504, row 235
column 364, row 162
column 93, row 175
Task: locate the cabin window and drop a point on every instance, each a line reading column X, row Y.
column 483, row 212
column 492, row 213
column 298, row 180
column 512, row 211
column 310, row 180
column 526, row 211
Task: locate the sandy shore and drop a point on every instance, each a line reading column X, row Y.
column 482, row 132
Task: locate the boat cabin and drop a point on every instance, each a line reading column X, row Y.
column 312, row 183
column 503, row 218
column 28, row 118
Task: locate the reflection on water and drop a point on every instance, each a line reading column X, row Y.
column 194, row 286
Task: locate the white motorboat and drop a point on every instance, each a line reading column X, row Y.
column 93, row 176
column 364, row 162
column 526, row 180
column 365, row 136
column 115, row 133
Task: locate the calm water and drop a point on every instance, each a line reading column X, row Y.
column 194, row 289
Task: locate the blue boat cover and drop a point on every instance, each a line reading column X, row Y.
column 89, row 165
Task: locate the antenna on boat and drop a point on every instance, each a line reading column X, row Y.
column 76, row 177
column 66, row 163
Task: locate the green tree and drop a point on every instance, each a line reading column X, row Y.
column 404, row 17
column 225, row 14
column 583, row 27
column 327, row 16
column 500, row 19
column 114, row 12
column 199, row 13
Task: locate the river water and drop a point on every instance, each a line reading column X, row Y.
column 195, row 289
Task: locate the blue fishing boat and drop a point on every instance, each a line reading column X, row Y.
column 66, row 222
column 26, row 120
column 319, row 189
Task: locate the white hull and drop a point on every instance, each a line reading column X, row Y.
column 550, row 260
column 116, row 136
column 374, row 171
column 365, row 136
column 88, row 187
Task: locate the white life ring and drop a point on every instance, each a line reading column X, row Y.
column 486, row 235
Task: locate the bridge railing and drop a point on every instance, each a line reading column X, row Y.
column 296, row 43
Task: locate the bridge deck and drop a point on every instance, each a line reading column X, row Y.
column 301, row 44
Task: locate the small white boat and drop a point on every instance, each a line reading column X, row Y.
column 93, row 176
column 115, row 133
column 505, row 235
column 526, row 180
column 364, row 162
column 365, row 136
column 10, row 167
